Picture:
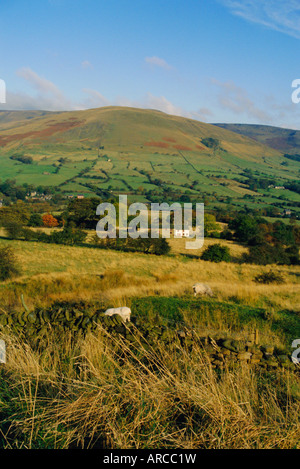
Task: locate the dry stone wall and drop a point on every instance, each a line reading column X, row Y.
column 221, row 352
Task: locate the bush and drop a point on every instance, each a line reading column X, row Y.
column 263, row 254
column 215, row 234
column 29, row 234
column 16, row 231
column 69, row 235
column 158, row 246
column 13, row 229
column 49, row 220
column 216, row 253
column 8, row 267
column 35, row 220
column 226, row 234
column 293, row 254
column 245, row 227
column 269, row 277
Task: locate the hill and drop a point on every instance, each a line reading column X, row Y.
column 284, row 140
column 119, row 127
column 145, row 153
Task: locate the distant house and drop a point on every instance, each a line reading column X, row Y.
column 287, row 212
column 80, row 196
column 182, row 233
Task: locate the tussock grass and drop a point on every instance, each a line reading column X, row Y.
column 99, row 392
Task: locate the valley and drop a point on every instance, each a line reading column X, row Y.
column 148, row 155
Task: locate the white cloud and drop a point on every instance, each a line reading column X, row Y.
column 280, row 15
column 158, row 62
column 25, row 101
column 235, row 99
column 41, row 84
column 161, row 103
column 95, row 99
column 148, row 101
column 270, row 111
column 86, row 64
column 48, row 96
column 202, row 114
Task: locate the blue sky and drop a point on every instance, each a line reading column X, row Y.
column 211, row 60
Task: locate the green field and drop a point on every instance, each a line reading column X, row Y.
column 139, row 151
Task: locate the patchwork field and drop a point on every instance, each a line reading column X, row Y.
column 144, row 152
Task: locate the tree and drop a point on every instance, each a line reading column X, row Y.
column 83, row 212
column 245, row 227
column 13, row 229
column 210, row 224
column 70, row 235
column 293, row 254
column 216, row 253
column 17, row 213
column 159, row 246
column 283, row 233
column 35, row 220
column 210, row 142
column 49, row 220
column 8, row 265
column 264, row 253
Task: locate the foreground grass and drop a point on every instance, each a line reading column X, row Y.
column 99, row 393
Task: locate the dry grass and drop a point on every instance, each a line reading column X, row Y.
column 88, row 395
column 82, row 393
column 54, row 272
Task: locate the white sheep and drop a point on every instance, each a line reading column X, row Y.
column 123, row 311
column 202, row 289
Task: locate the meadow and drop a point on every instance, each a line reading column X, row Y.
column 98, row 392
column 57, row 272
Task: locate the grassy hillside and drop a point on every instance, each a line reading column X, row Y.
column 13, row 117
column 141, row 153
column 65, row 391
column 57, row 272
column 284, row 140
column 118, row 127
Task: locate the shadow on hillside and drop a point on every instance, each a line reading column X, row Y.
column 233, row 260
